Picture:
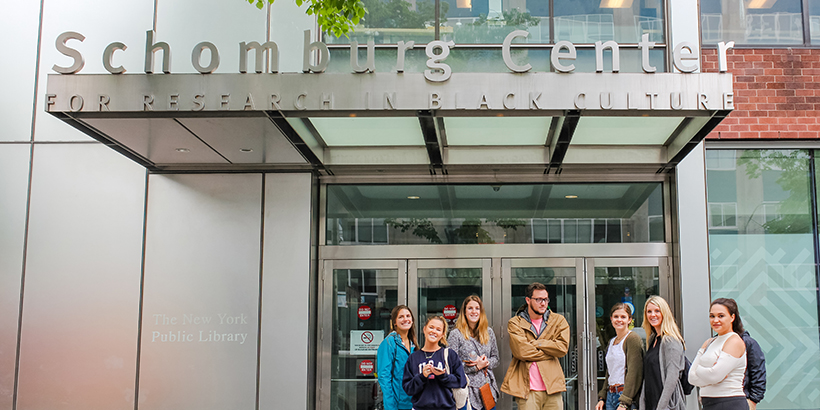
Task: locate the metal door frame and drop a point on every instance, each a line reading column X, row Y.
column 496, row 288
column 413, row 265
column 664, row 279
column 507, row 265
column 325, row 314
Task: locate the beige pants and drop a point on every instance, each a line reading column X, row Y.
column 540, row 400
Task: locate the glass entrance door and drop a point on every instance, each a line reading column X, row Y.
column 614, row 280
column 438, row 287
column 561, row 277
column 358, row 295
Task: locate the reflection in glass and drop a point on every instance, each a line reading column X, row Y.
column 814, row 21
column 362, row 300
column 391, row 21
column 631, row 285
column 624, row 21
column 490, row 21
column 761, row 246
column 486, row 214
column 752, row 21
column 445, row 288
column 561, row 287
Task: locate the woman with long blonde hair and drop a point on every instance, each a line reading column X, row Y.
column 664, row 359
column 429, row 375
column 475, row 343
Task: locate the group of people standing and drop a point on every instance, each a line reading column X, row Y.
column 650, row 377
column 729, row 368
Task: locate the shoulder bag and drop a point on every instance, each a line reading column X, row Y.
column 460, row 395
column 485, row 390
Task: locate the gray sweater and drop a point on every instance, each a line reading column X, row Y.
column 672, row 363
column 463, row 346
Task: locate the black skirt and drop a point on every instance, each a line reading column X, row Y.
column 725, row 403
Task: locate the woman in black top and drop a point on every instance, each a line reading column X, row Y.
column 664, row 360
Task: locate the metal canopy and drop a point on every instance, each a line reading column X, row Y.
column 346, row 123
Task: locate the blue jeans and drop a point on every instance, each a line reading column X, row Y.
column 612, row 401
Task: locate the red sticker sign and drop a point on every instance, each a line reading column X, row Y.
column 449, row 312
column 364, row 312
column 366, row 367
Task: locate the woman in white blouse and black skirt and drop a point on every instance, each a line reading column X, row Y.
column 720, row 365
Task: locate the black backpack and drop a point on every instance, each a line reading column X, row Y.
column 684, row 377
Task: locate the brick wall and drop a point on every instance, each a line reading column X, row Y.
column 777, row 93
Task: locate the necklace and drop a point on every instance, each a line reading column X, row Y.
column 618, row 339
column 428, row 357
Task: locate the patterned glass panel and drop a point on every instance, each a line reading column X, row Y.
column 761, row 244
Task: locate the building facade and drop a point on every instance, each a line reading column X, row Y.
column 230, row 227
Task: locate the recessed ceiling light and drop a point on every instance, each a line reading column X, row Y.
column 245, row 150
column 413, row 197
column 183, row 150
column 570, row 196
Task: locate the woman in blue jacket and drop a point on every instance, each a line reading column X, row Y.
column 391, row 357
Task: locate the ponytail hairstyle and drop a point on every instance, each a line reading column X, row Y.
column 731, row 306
column 443, row 340
column 621, row 306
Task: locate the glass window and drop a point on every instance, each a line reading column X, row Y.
column 479, row 214
column 490, row 21
column 624, row 21
column 814, row 21
column 761, row 246
column 391, row 21
column 752, row 21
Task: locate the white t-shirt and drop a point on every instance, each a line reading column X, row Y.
column 616, row 361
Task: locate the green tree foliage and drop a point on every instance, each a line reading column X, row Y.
column 337, row 17
column 792, row 170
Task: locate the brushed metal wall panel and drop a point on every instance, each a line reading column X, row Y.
column 185, row 23
column 22, row 19
column 102, row 23
column 14, row 166
column 81, row 301
column 283, row 380
column 201, row 292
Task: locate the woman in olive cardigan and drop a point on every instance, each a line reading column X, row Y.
column 624, row 359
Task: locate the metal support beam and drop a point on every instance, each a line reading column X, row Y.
column 431, row 140
column 287, row 130
column 561, row 144
column 694, row 141
column 102, row 137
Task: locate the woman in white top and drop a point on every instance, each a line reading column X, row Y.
column 624, row 363
column 720, row 365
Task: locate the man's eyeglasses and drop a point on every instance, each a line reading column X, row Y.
column 541, row 300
